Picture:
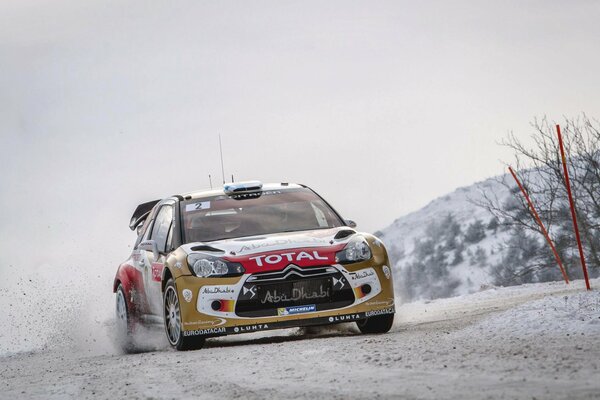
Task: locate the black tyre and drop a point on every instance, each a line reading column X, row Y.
column 172, row 314
column 376, row 324
column 125, row 322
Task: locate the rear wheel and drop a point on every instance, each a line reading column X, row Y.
column 376, row 324
column 172, row 314
column 125, row 322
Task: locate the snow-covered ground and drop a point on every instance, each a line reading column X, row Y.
column 532, row 341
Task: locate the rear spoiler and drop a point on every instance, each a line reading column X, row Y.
column 140, row 213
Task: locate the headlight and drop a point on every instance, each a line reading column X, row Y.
column 203, row 266
column 356, row 250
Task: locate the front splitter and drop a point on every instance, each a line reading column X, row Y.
column 295, row 323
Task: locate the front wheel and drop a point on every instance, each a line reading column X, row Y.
column 172, row 314
column 376, row 324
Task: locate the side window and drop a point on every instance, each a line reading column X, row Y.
column 148, row 230
column 144, row 232
column 162, row 226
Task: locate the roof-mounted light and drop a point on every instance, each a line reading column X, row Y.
column 241, row 187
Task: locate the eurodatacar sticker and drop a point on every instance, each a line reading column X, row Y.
column 296, row 310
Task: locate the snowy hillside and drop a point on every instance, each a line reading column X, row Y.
column 447, row 247
column 452, row 246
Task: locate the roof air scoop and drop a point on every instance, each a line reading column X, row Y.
column 241, row 187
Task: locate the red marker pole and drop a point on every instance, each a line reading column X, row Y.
column 542, row 227
column 572, row 203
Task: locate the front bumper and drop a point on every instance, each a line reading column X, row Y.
column 293, row 297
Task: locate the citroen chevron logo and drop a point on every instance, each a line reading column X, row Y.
column 251, row 290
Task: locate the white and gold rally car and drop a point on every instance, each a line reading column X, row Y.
column 247, row 258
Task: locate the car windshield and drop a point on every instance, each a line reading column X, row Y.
column 249, row 214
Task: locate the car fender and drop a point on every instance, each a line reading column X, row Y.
column 175, row 266
column 130, row 278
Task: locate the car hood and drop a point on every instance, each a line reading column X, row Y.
column 276, row 251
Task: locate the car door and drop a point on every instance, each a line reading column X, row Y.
column 161, row 233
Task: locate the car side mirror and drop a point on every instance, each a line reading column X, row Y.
column 350, row 223
column 150, row 245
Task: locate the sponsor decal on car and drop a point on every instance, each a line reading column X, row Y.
column 374, row 313
column 296, row 310
column 157, row 269
column 361, row 274
column 388, row 303
column 209, row 331
column 290, row 256
column 250, row 328
column 344, row 318
column 282, row 242
column 296, row 295
column 214, row 322
column 217, row 290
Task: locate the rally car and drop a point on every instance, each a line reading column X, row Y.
column 247, row 258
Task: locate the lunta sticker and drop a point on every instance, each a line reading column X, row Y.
column 344, row 318
column 201, row 205
column 250, row 328
column 296, row 310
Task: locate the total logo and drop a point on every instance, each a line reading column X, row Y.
column 291, row 256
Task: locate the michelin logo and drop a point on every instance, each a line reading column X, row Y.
column 296, row 310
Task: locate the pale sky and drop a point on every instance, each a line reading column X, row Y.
column 380, row 106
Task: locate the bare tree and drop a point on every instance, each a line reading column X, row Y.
column 540, row 169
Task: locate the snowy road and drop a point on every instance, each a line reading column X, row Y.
column 535, row 341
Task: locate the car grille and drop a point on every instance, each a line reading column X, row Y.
column 324, row 287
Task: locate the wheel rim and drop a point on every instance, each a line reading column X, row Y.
column 172, row 316
column 121, row 310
